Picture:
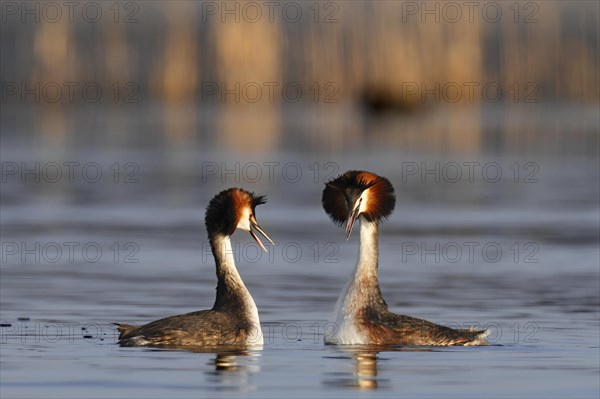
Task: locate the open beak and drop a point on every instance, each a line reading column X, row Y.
column 254, row 225
column 351, row 220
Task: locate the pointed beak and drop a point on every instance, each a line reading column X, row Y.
column 254, row 225
column 351, row 220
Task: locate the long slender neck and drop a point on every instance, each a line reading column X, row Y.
column 231, row 291
column 365, row 281
column 368, row 252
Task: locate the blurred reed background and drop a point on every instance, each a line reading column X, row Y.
column 386, row 72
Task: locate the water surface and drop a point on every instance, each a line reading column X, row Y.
column 518, row 257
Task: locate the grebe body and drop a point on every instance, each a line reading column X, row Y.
column 361, row 315
column 233, row 319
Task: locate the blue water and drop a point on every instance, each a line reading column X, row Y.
column 519, row 258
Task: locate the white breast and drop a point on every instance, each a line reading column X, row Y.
column 342, row 329
column 255, row 337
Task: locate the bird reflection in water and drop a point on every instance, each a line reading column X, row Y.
column 233, row 369
column 366, row 370
column 363, row 371
column 228, row 361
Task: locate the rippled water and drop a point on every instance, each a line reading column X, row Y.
column 520, row 258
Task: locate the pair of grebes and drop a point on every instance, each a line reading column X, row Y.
column 361, row 315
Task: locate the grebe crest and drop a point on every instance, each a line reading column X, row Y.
column 233, row 319
column 358, row 193
column 361, row 315
column 234, row 209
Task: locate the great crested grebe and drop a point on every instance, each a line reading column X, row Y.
column 361, row 315
column 233, row 320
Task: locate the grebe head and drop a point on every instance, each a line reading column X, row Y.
column 358, row 193
column 234, row 209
